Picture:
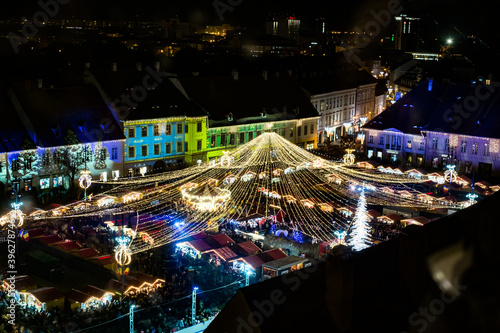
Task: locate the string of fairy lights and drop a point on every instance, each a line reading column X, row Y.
column 268, row 176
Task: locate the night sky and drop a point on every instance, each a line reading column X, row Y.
column 466, row 17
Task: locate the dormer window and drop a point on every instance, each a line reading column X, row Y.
column 263, row 114
column 82, row 125
column 230, row 116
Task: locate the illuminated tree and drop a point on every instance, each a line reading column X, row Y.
column 360, row 230
column 100, row 155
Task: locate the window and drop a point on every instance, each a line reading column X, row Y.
column 291, row 132
column 168, row 148
column 168, row 129
column 44, row 183
column 242, row 138
column 223, row 139
column 186, row 146
column 486, row 151
column 305, row 129
column 114, row 153
column 131, row 132
column 370, row 153
column 131, row 152
column 144, row 150
column 370, row 138
column 298, row 130
column 474, row 148
column 434, row 143
column 198, row 145
column 381, row 141
column 56, row 181
column 28, row 183
column 446, row 144
column 198, row 127
column 144, row 131
column 312, row 129
column 156, row 149
column 213, row 141
column 408, row 144
column 232, row 139
column 463, row 147
column 186, row 129
column 250, row 136
column 322, row 105
column 179, row 128
column 179, row 146
column 156, row 130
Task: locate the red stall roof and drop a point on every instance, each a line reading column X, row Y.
column 68, row 246
column 199, row 245
column 51, row 239
column 88, row 252
column 246, row 248
column 225, row 253
column 46, row 294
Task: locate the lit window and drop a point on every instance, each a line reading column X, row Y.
column 156, row 130
column 44, row 183
column 408, row 144
column 486, row 149
column 474, row 148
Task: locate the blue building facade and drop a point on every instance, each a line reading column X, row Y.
column 152, row 145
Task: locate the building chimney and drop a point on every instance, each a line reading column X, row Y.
column 40, row 83
column 138, row 66
column 114, row 66
column 264, row 75
column 235, row 75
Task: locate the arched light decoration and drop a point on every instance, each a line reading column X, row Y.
column 206, row 197
column 123, row 256
column 450, row 175
column 349, row 158
column 85, row 179
column 14, row 217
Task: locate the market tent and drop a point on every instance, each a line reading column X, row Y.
column 246, row 248
column 225, row 253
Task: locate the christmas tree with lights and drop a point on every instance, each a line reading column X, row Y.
column 360, row 230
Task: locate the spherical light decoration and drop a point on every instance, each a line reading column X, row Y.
column 122, row 255
column 349, row 158
column 225, row 160
column 450, row 175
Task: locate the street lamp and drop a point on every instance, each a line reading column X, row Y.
column 123, row 257
column 193, row 306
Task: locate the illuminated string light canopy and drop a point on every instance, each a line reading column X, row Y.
column 263, row 176
column 206, row 197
